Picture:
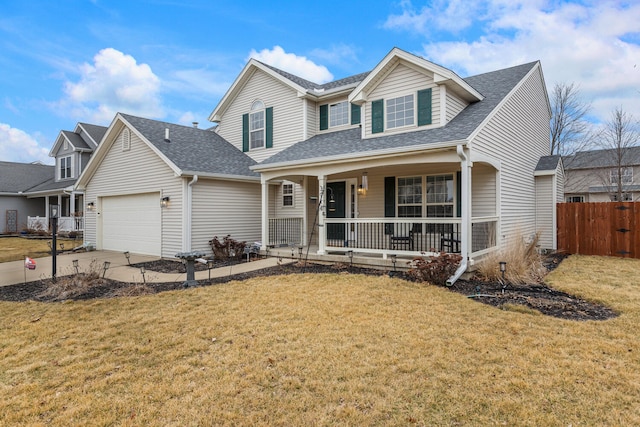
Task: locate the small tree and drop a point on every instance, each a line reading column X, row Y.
column 570, row 130
column 619, row 134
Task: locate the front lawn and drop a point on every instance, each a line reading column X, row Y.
column 326, row 349
column 17, row 248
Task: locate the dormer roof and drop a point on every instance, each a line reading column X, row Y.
column 94, row 135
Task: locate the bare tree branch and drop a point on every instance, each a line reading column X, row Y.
column 570, row 131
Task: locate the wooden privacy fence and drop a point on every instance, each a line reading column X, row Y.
column 607, row 228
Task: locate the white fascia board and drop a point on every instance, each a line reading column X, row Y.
column 61, row 137
column 225, row 177
column 239, row 82
column 360, row 156
column 544, row 173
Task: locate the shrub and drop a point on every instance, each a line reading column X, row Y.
column 524, row 263
column 72, row 286
column 434, row 269
column 227, row 249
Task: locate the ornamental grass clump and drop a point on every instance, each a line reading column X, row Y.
column 71, row 286
column 524, row 263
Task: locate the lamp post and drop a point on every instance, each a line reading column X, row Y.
column 105, row 267
column 127, row 255
column 54, row 213
column 503, row 269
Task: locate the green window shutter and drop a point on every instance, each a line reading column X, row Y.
column 355, row 114
column 459, row 194
column 245, row 133
column 389, row 201
column 377, row 116
column 424, row 107
column 324, row 117
column 268, row 116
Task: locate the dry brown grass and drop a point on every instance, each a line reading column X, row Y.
column 17, row 248
column 324, row 350
column 524, row 263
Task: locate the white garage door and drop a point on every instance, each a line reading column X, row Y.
column 132, row 223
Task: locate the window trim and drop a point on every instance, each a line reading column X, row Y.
column 346, row 117
column 257, row 107
column 286, row 194
column 413, row 116
column 453, row 193
column 414, row 205
column 67, row 167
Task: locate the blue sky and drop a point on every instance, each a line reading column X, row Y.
column 84, row 60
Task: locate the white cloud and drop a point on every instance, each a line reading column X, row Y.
column 337, row 54
column 294, row 64
column 114, row 82
column 584, row 43
column 19, row 146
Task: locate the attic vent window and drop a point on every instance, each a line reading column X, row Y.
column 126, row 140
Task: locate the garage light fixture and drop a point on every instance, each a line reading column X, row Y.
column 164, row 202
column 91, row 206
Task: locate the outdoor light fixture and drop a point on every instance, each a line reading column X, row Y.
column 300, row 253
column 105, row 267
column 209, row 267
column 75, row 265
column 332, row 201
column 350, row 255
column 266, row 251
column 127, row 255
column 91, row 206
column 142, row 271
column 292, row 251
column 394, row 260
column 54, row 211
column 503, row 269
column 164, row 202
column 362, row 188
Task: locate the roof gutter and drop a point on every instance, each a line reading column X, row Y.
column 464, row 225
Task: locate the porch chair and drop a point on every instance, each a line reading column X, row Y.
column 404, row 241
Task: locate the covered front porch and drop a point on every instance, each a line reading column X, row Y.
column 405, row 206
column 71, row 217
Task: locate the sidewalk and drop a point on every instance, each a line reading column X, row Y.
column 14, row 272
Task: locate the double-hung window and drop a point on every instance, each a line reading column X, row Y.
column 440, row 196
column 626, row 175
column 410, row 197
column 400, row 111
column 256, row 125
column 339, row 114
column 287, row 195
column 65, row 167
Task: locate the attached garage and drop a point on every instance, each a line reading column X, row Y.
column 132, row 223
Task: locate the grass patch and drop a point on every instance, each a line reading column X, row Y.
column 17, row 248
column 327, row 349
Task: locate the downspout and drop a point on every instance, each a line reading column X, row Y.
column 464, row 225
column 189, row 212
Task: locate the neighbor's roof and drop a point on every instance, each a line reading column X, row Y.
column 20, row 177
column 495, row 86
column 51, row 185
column 548, row 163
column 601, row 159
column 194, row 150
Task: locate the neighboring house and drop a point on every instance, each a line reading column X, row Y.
column 405, row 159
column 15, row 180
column 71, row 151
column 592, row 176
column 158, row 188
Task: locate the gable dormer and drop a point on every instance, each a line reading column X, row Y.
column 406, row 93
column 72, row 150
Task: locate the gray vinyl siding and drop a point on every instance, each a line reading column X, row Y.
column 483, row 195
column 138, row 170
column 403, row 80
column 287, row 114
column 545, row 206
column 454, row 106
column 223, row 208
column 25, row 207
column 519, row 135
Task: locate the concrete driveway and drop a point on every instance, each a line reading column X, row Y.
column 14, row 272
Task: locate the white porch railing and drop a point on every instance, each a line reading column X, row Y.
column 285, row 231
column 408, row 236
column 66, row 223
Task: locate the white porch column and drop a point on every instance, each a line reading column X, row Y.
column 322, row 234
column 265, row 213
column 465, row 188
column 305, row 210
column 46, row 207
column 72, row 204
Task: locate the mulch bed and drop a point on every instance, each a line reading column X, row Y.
column 536, row 296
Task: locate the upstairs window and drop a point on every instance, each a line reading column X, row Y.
column 400, row 111
column 339, row 114
column 287, row 195
column 256, row 125
column 65, row 167
column 626, row 176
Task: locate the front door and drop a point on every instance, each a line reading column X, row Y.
column 336, row 208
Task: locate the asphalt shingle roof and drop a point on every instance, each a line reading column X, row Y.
column 51, row 184
column 309, row 85
column 17, row 177
column 601, row 159
column 548, row 163
column 494, row 86
column 75, row 139
column 96, row 132
column 193, row 149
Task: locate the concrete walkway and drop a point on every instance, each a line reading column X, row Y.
column 14, row 272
